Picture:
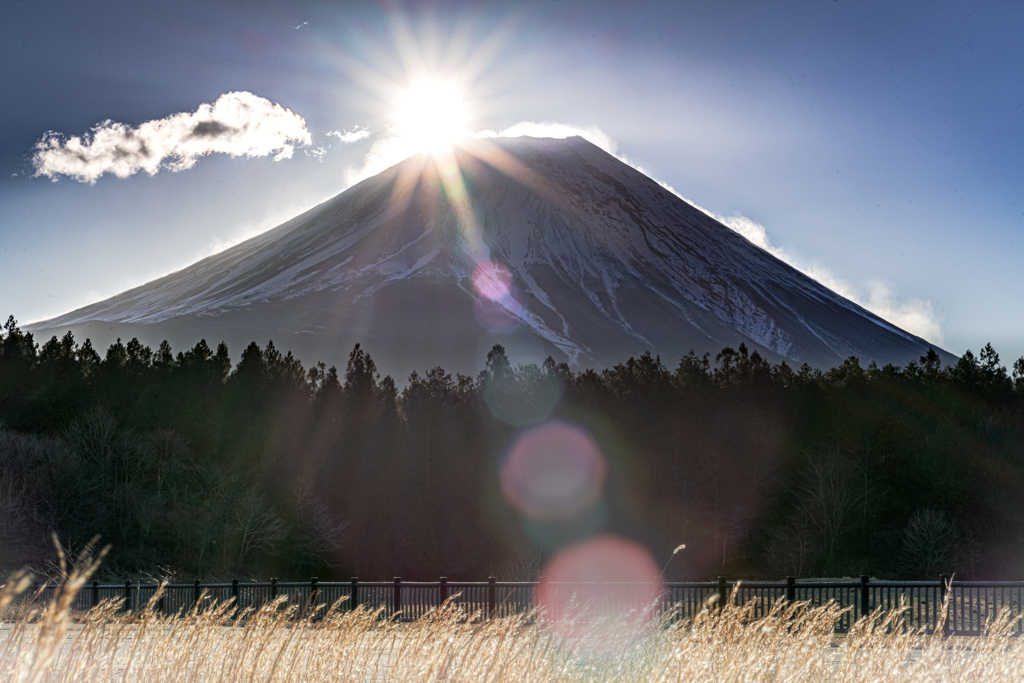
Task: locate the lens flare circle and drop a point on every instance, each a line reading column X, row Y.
column 492, row 280
column 553, row 471
column 601, row 594
column 498, row 307
column 494, row 317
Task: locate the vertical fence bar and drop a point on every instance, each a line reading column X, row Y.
column 943, row 607
column 95, row 593
column 790, row 589
column 492, row 597
column 865, row 596
column 127, row 607
column 398, row 595
column 442, row 591
column 723, row 593
column 354, row 597
column 195, row 595
column 312, row 595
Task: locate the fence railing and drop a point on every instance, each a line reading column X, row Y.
column 971, row 604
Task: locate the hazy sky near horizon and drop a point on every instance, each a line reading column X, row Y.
column 880, row 145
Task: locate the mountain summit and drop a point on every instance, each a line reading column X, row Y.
column 549, row 247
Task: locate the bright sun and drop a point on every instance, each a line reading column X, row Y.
column 431, row 116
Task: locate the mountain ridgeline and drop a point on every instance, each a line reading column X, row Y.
column 598, row 263
column 192, row 465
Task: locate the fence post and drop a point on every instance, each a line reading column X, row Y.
column 160, row 602
column 723, row 592
column 95, row 593
column 443, row 591
column 398, row 595
column 312, row 595
column 790, row 589
column 943, row 595
column 492, row 597
column 273, row 590
column 127, row 596
column 865, row 596
column 354, row 598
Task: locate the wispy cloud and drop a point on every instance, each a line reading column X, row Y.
column 913, row 315
column 238, row 123
column 390, row 148
column 318, row 152
column 349, row 136
column 554, row 129
column 752, row 230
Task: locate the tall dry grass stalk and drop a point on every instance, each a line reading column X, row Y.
column 794, row 643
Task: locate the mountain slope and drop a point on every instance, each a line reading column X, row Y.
column 547, row 246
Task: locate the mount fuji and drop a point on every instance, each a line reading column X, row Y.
column 549, row 247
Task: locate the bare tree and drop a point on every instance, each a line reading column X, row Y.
column 23, row 519
column 790, row 548
column 522, row 563
column 320, row 531
column 257, row 525
column 931, row 544
column 829, row 495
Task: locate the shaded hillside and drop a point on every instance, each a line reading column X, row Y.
column 190, row 464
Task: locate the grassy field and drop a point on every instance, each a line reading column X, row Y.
column 794, row 643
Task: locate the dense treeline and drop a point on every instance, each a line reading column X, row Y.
column 192, row 466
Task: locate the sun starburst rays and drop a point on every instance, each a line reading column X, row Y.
column 429, row 102
column 431, row 116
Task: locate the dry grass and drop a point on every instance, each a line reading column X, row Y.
column 796, row 643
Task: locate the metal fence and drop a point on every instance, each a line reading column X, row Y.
column 972, row 605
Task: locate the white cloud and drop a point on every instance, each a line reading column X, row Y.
column 318, row 152
column 383, row 154
column 238, row 123
column 349, row 136
column 913, row 315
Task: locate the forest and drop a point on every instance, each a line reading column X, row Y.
column 190, row 465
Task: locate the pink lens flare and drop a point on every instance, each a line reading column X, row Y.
column 553, row 471
column 494, row 316
column 601, row 594
column 492, row 280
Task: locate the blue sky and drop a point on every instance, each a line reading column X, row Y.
column 879, row 145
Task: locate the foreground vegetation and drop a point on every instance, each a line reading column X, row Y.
column 193, row 466
column 794, row 643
